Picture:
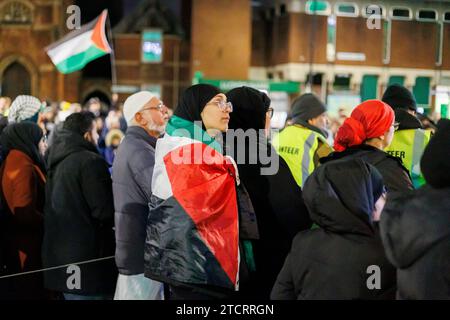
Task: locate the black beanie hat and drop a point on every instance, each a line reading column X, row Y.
column 307, row 107
column 398, row 97
column 435, row 164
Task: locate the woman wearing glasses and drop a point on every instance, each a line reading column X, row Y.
column 23, row 195
column 192, row 240
column 365, row 134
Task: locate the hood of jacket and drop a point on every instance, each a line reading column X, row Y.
column 340, row 196
column 65, row 144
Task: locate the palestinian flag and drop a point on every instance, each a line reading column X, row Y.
column 79, row 47
column 192, row 229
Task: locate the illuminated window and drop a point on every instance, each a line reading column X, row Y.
column 346, row 10
column 318, row 7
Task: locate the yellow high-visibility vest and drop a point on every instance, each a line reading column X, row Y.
column 409, row 146
column 297, row 146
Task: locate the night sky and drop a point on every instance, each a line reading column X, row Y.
column 101, row 68
column 117, row 8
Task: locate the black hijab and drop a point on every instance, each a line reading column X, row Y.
column 249, row 112
column 24, row 137
column 193, row 101
column 249, row 108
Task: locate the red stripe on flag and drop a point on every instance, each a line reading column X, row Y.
column 207, row 193
column 99, row 36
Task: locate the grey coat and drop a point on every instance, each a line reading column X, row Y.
column 132, row 180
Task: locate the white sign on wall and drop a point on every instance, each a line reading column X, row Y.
column 351, row 56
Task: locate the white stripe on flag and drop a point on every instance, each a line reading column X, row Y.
column 72, row 47
column 161, row 186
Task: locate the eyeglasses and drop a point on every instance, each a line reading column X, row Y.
column 160, row 107
column 223, row 106
column 396, row 125
column 270, row 112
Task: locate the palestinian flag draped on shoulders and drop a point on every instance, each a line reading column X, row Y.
column 79, row 47
column 192, row 231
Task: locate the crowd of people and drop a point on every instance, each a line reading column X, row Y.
column 139, row 202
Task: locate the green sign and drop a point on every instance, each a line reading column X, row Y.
column 270, row 86
column 152, row 46
column 421, row 91
column 316, row 6
column 444, row 111
column 369, row 87
column 396, row 80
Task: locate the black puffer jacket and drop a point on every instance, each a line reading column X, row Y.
column 395, row 176
column 331, row 262
column 415, row 229
column 78, row 217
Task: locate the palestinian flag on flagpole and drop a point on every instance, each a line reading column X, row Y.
column 192, row 231
column 79, row 47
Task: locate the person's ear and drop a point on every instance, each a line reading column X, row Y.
column 138, row 118
column 87, row 136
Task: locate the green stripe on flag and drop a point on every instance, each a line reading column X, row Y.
column 179, row 127
column 78, row 61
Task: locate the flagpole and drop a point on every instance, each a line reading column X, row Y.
column 112, row 55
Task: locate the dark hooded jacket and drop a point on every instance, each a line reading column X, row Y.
column 415, row 229
column 395, row 176
column 79, row 217
column 276, row 197
column 334, row 261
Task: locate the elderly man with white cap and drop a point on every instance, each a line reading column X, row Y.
column 146, row 116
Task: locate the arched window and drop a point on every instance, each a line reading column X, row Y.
column 16, row 80
column 16, row 12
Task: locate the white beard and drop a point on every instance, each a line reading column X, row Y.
column 160, row 129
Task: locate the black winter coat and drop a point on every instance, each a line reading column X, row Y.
column 395, row 176
column 332, row 261
column 280, row 213
column 79, row 217
column 415, row 229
